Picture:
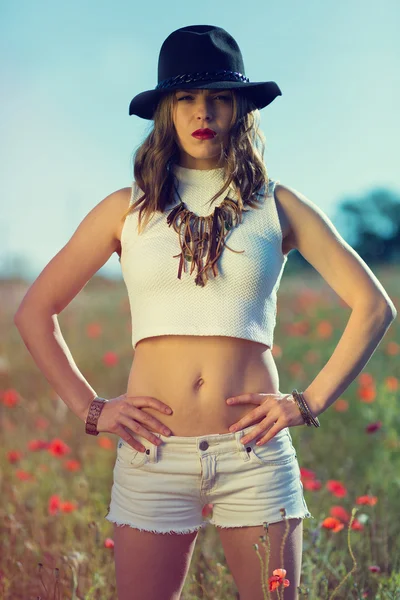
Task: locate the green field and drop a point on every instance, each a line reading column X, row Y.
column 55, row 481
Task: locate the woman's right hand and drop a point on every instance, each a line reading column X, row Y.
column 125, row 412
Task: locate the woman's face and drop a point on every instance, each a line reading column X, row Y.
column 200, row 109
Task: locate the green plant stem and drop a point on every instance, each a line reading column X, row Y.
column 353, row 512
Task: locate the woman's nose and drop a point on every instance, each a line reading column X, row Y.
column 204, row 105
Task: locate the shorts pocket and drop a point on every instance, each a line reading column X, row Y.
column 278, row 451
column 129, row 457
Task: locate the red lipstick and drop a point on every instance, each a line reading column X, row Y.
column 204, row 133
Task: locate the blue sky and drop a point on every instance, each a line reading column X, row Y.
column 70, row 69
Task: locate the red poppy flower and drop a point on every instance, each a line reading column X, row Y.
column 367, row 394
column 312, row 484
column 365, row 379
column 54, row 504
column 393, row 348
column 340, row 513
column 324, row 329
column 357, row 526
column 108, row 543
column 35, row 445
column 72, row 465
column 307, row 473
column 93, row 330
column 299, row 329
column 371, row 500
column 332, row 523
column 341, row 405
column 67, row 506
column 110, row 359
column 14, row 456
column 277, row 579
column 10, row 398
column 392, row 384
column 372, row 427
column 58, row 448
column 105, row 442
column 336, row 488
column 276, row 351
column 24, row 475
column 374, row 568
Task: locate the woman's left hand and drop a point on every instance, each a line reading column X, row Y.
column 279, row 411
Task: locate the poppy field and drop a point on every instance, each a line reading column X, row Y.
column 55, row 480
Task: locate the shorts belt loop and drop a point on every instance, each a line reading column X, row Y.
column 152, row 455
column 242, row 448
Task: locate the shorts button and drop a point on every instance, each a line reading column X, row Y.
column 203, row 445
column 148, row 451
column 248, row 449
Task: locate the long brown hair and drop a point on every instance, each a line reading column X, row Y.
column 243, row 159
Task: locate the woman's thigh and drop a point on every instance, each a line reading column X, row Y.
column 151, row 565
column 286, row 544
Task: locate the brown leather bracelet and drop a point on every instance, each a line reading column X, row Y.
column 93, row 415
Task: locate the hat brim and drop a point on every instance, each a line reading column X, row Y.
column 261, row 93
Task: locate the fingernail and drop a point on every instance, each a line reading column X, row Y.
column 230, row 401
column 166, row 431
column 168, row 410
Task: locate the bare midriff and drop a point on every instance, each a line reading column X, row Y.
column 195, row 375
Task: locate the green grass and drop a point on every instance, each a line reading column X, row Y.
column 63, row 555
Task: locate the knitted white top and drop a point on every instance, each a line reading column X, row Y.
column 239, row 302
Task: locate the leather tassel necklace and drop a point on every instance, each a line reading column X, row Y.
column 200, row 236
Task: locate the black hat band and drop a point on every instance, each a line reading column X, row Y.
column 222, row 75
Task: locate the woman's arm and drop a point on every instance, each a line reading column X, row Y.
column 316, row 238
column 92, row 244
column 364, row 331
column 43, row 338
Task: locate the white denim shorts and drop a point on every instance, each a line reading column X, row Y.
column 164, row 489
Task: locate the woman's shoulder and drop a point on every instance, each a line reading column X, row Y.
column 281, row 201
column 123, row 198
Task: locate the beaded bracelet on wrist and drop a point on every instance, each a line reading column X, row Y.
column 303, row 411
column 308, row 417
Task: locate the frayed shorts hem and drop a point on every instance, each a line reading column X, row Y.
column 307, row 515
column 182, row 531
column 177, row 530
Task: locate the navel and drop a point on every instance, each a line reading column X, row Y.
column 199, row 383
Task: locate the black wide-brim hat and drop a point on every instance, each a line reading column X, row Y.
column 201, row 57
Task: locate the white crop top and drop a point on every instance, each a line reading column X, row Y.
column 240, row 302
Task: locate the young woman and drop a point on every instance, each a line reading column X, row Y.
column 203, row 316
